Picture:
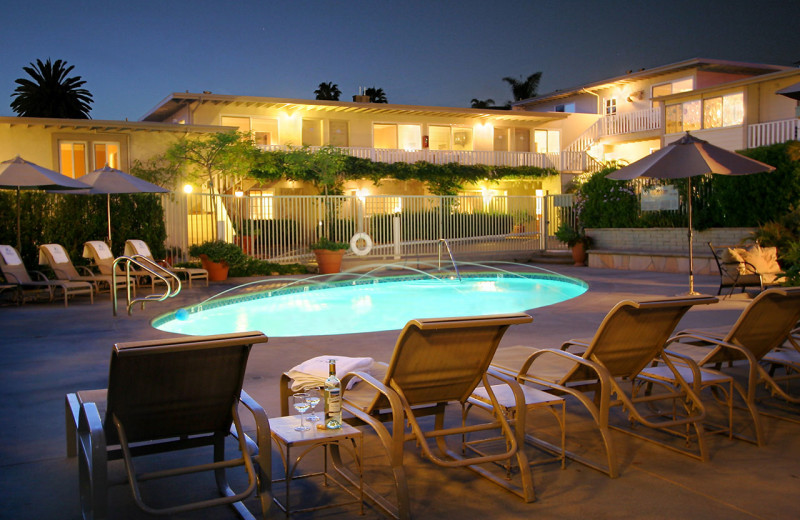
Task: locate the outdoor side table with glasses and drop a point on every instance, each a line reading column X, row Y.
column 287, row 438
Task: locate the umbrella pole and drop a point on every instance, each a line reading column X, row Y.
column 108, row 212
column 19, row 235
column 691, row 240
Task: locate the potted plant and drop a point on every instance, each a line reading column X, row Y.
column 329, row 254
column 576, row 239
column 217, row 257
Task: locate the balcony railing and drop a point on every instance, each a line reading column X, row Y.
column 631, row 122
column 467, row 157
column 773, row 132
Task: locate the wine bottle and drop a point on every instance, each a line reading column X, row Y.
column 333, row 398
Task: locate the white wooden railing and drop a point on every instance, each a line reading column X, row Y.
column 280, row 228
column 624, row 123
column 773, row 132
column 468, row 157
column 632, row 122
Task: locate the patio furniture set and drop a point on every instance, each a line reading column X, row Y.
column 174, row 393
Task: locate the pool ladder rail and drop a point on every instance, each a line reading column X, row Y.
column 170, row 279
column 449, row 252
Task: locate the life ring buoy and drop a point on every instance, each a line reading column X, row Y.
column 363, row 249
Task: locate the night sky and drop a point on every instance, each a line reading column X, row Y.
column 134, row 54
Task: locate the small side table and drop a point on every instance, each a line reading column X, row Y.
column 286, row 438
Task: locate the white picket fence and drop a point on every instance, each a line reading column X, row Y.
column 280, row 228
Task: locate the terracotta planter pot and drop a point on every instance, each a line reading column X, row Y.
column 329, row 261
column 217, row 271
column 579, row 254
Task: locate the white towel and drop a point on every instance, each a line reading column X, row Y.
column 313, row 372
column 10, row 256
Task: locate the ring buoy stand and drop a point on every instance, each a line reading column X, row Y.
column 366, row 244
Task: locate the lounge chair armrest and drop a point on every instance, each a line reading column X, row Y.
column 596, row 367
column 715, row 341
column 578, row 345
column 85, row 269
column 39, row 276
column 261, row 447
column 682, row 359
column 393, row 442
column 516, row 389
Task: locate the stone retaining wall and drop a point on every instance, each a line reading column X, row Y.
column 659, row 249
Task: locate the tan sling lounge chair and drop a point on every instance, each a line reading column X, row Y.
column 764, row 325
column 167, row 395
column 140, row 248
column 57, row 258
column 630, row 337
column 435, row 362
column 14, row 272
column 103, row 258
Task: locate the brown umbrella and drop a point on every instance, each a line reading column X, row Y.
column 19, row 174
column 109, row 180
column 686, row 158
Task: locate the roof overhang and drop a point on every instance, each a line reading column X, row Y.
column 99, row 125
column 702, row 64
column 177, row 101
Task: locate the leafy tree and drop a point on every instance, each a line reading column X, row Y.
column 524, row 89
column 482, row 103
column 328, row 91
column 212, row 156
column 376, row 95
column 51, row 93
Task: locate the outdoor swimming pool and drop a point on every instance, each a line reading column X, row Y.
column 370, row 304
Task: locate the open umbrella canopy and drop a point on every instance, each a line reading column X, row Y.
column 792, row 91
column 686, row 158
column 19, row 174
column 110, row 181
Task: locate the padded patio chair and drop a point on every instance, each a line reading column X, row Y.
column 435, row 362
column 746, row 267
column 15, row 273
column 57, row 258
column 764, row 326
column 167, row 395
column 140, row 248
column 631, row 336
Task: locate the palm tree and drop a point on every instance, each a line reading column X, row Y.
column 51, row 93
column 482, row 103
column 524, row 89
column 328, row 91
column 376, row 95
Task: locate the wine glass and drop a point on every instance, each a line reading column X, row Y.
column 301, row 406
column 313, row 400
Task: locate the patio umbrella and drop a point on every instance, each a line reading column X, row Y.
column 19, row 174
column 792, row 91
column 686, row 158
column 110, row 181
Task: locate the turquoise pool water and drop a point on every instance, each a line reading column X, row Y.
column 369, row 306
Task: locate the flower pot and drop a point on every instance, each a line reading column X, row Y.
column 217, row 271
column 579, row 254
column 329, row 261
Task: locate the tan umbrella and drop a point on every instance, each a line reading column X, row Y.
column 686, row 158
column 109, row 181
column 19, row 174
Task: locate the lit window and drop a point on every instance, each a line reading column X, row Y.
column 611, row 106
column 712, row 112
column 733, row 109
column 260, row 205
column 691, row 115
column 338, row 133
column 265, row 131
column 106, row 154
column 674, row 117
column 72, row 159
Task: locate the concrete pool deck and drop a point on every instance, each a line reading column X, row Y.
column 47, row 350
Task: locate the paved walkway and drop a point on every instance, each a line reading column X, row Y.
column 47, row 351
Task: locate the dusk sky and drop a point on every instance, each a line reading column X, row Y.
column 134, row 54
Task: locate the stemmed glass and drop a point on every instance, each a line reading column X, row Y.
column 301, row 406
column 313, row 400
